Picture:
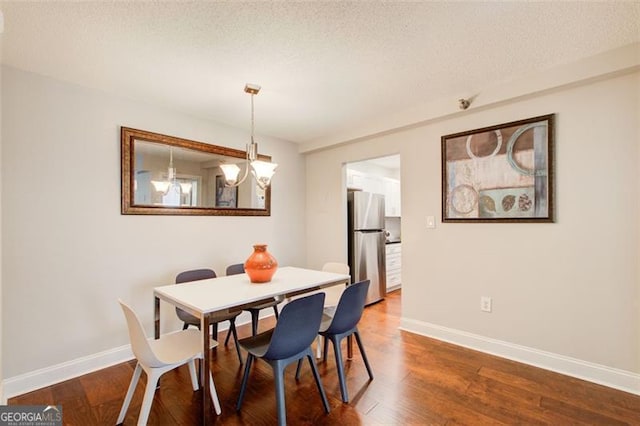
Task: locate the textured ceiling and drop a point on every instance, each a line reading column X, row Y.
column 323, row 66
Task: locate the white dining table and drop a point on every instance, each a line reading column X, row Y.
column 232, row 294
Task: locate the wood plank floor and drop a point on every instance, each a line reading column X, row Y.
column 417, row 381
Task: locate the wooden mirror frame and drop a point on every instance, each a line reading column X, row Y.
column 127, row 156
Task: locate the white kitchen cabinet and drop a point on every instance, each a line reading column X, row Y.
column 374, row 184
column 392, row 197
column 355, row 179
column 394, row 266
column 388, row 187
column 365, row 182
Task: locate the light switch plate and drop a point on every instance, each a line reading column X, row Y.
column 485, row 304
column 431, row 222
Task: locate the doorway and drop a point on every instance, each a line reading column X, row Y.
column 382, row 176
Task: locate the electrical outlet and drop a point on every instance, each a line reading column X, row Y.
column 485, row 304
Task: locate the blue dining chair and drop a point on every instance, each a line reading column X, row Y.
column 344, row 323
column 238, row 268
column 188, row 319
column 288, row 342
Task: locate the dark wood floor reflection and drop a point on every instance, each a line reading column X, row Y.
column 417, row 381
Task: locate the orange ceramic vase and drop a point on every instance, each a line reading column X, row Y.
column 260, row 266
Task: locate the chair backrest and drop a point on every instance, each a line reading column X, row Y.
column 195, row 275
column 297, row 327
column 235, row 269
column 350, row 307
column 139, row 343
column 338, row 268
column 188, row 276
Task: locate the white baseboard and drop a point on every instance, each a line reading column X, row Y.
column 48, row 376
column 51, row 375
column 596, row 373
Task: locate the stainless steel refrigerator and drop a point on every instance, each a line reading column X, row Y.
column 366, row 242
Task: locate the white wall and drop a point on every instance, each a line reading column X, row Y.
column 68, row 253
column 2, row 397
column 568, row 289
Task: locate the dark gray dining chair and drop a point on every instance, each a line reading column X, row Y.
column 188, row 319
column 238, row 268
column 288, row 342
column 344, row 323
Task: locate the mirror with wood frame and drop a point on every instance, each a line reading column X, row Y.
column 166, row 175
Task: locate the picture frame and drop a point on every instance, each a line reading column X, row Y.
column 226, row 197
column 502, row 173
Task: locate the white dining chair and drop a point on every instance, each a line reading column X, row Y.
column 333, row 293
column 156, row 357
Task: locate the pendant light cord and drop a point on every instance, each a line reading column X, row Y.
column 252, row 119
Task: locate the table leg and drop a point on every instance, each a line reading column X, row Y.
column 156, row 317
column 205, row 370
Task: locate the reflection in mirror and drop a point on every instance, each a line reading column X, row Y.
column 172, row 176
column 169, row 175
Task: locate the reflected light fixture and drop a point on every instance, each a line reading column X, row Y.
column 186, row 187
column 261, row 170
column 160, row 185
column 164, row 185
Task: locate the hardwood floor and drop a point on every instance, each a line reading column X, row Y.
column 417, row 381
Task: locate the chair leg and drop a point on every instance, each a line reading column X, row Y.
column 298, row 369
column 243, row 386
column 214, row 331
column 192, row 372
column 130, row 391
column 185, row 326
column 275, row 311
column 200, row 361
column 337, row 350
column 318, row 382
column 214, row 395
column 278, row 373
column 364, row 355
column 325, row 349
column 226, row 339
column 232, row 329
column 152, row 380
column 254, row 322
column 318, row 343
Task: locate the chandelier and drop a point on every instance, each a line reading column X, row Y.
column 261, row 170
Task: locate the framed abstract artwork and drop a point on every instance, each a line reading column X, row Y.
column 225, row 197
column 501, row 173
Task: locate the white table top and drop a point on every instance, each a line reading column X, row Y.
column 217, row 294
